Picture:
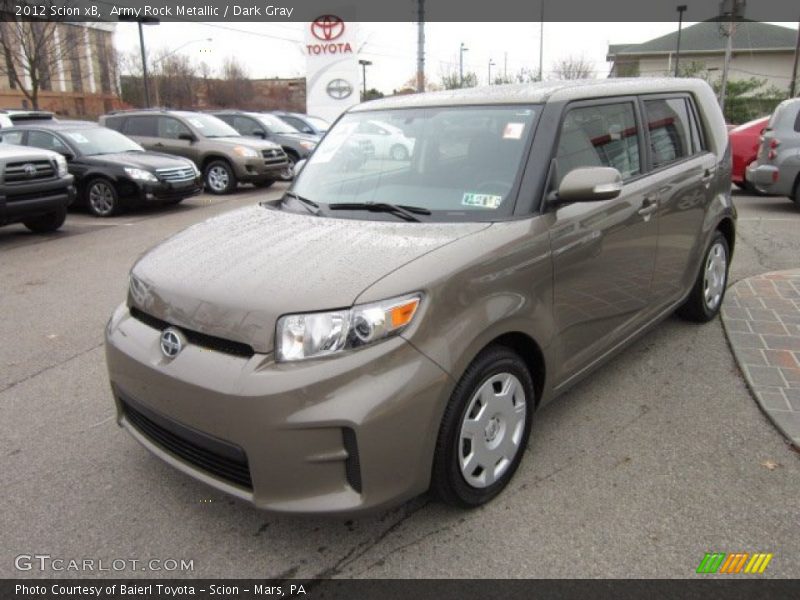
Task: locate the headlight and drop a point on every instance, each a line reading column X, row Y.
column 308, row 145
column 194, row 168
column 245, row 151
column 61, row 166
column 140, row 174
column 324, row 333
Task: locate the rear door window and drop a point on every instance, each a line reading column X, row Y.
column 171, row 128
column 600, row 136
column 669, row 130
column 245, row 125
column 141, row 126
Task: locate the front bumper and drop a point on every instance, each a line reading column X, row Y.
column 165, row 191
column 20, row 202
column 261, row 168
column 340, row 435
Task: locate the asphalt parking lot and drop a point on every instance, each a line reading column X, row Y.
column 639, row 471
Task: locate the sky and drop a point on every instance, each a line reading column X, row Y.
column 276, row 49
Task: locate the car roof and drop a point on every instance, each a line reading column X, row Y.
column 56, row 125
column 537, row 93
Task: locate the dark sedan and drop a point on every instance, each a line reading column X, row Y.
column 111, row 170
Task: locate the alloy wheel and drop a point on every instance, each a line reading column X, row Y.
column 716, row 274
column 101, row 198
column 218, row 179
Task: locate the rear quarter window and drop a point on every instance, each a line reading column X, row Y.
column 11, row 137
column 114, row 123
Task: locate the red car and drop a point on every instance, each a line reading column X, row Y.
column 744, row 147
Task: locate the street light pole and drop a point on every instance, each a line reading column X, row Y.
column 681, row 10
column 489, row 77
column 142, row 21
column 461, row 51
column 364, row 64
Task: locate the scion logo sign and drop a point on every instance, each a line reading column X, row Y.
column 326, row 29
column 171, row 342
column 338, row 89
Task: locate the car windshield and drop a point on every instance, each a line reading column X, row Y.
column 100, row 140
column 459, row 163
column 320, row 125
column 210, row 126
column 276, row 125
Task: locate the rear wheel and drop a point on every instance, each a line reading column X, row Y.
column 399, row 152
column 796, row 193
column 706, row 296
column 220, row 178
column 485, row 429
column 101, row 198
column 47, row 222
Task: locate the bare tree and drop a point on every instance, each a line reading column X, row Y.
column 234, row 89
column 175, row 79
column 573, row 67
column 451, row 79
column 34, row 52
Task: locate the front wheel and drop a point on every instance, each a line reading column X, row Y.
column 288, row 173
column 47, row 222
column 706, row 297
column 220, row 178
column 101, row 198
column 399, row 152
column 485, row 429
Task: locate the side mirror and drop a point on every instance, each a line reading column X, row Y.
column 67, row 155
column 260, row 133
column 298, row 166
column 186, row 136
column 589, row 184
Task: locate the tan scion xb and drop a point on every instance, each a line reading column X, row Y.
column 391, row 324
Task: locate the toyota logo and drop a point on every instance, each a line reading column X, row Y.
column 171, row 342
column 339, row 89
column 30, row 169
column 327, row 28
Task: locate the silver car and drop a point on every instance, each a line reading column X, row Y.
column 777, row 167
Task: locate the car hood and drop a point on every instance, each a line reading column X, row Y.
column 233, row 276
column 300, row 137
column 242, row 140
column 140, row 160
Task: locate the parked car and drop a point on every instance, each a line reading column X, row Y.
column 384, row 140
column 777, row 169
column 304, row 123
column 35, row 187
column 111, row 171
column 390, row 329
column 225, row 157
column 745, row 140
column 265, row 126
column 11, row 116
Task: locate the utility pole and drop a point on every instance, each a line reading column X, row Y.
column 541, row 43
column 505, row 67
column 489, row 76
column 142, row 21
column 420, row 45
column 793, row 82
column 364, row 64
column 461, row 51
column 736, row 10
column 681, row 10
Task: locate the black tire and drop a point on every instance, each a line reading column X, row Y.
column 796, row 193
column 447, row 479
column 398, row 152
column 48, row 222
column 174, row 201
column 697, row 307
column 264, row 183
column 288, row 173
column 101, row 198
column 219, row 177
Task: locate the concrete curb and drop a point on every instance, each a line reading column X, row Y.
column 761, row 318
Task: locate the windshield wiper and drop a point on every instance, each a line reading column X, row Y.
column 310, row 205
column 401, row 210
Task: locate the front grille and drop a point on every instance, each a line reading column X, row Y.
column 195, row 337
column 273, row 157
column 177, row 174
column 210, row 454
column 29, row 170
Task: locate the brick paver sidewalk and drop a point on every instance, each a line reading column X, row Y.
column 761, row 316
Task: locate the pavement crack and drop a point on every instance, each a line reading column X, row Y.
column 50, row 367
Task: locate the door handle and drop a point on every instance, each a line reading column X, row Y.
column 158, row 145
column 649, row 206
column 708, row 175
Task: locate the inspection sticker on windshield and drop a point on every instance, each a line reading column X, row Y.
column 481, row 200
column 513, row 131
column 78, row 138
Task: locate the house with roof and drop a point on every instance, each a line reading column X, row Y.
column 760, row 50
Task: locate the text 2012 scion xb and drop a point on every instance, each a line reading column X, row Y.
column 390, row 326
